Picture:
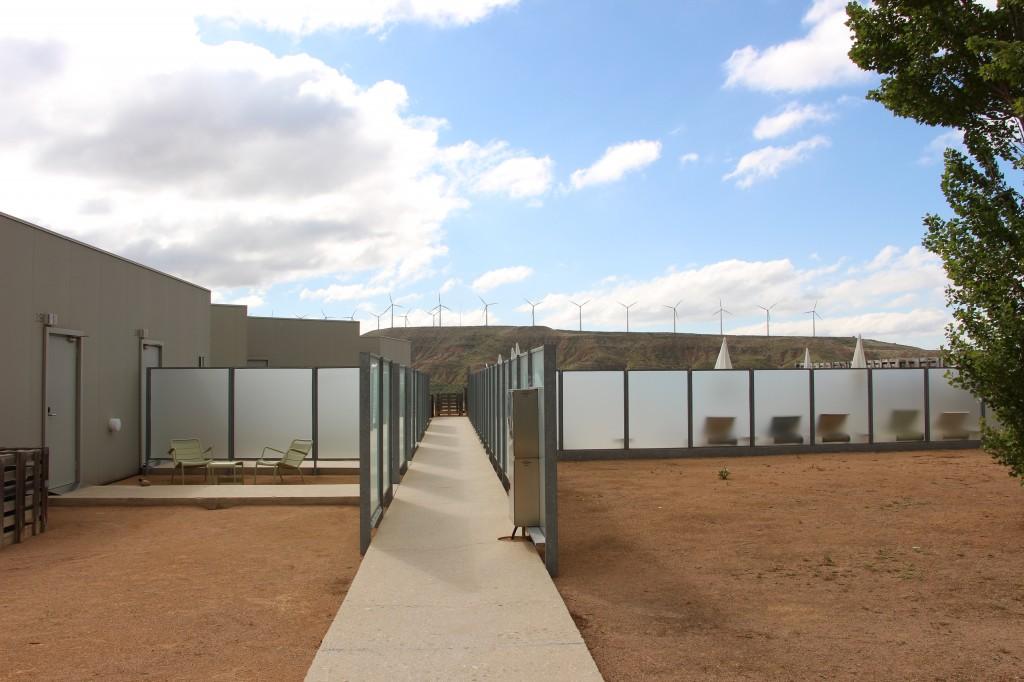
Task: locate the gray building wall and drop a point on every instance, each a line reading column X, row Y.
column 228, row 335
column 289, row 342
column 108, row 299
column 397, row 350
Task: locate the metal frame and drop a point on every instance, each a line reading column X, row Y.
column 417, row 398
column 79, row 337
column 144, row 396
column 487, row 407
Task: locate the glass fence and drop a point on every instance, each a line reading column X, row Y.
column 676, row 409
column 376, row 413
column 489, row 404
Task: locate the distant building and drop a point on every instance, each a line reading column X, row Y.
column 238, row 340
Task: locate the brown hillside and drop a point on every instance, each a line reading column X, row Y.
column 447, row 353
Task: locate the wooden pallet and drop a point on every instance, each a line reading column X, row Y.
column 23, row 493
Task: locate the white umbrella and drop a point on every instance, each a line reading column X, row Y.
column 807, row 358
column 858, row 361
column 723, row 361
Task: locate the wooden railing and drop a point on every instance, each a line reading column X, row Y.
column 23, row 491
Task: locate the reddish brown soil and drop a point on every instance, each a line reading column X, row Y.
column 870, row 566
column 264, row 478
column 130, row 593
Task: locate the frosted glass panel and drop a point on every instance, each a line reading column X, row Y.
column 338, row 413
column 272, row 407
column 721, row 407
column 657, row 410
column 593, row 416
column 189, row 403
column 955, row 413
column 385, row 430
column 841, row 405
column 537, row 360
column 374, row 435
column 898, row 396
column 782, row 407
column 401, row 415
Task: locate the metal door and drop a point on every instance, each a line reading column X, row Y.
column 61, row 429
column 152, row 356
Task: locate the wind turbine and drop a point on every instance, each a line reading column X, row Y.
column 627, row 307
column 325, row 315
column 721, row 312
column 300, row 317
column 406, row 318
column 352, row 316
column 533, row 311
column 813, row 312
column 675, row 312
column 378, row 316
column 580, row 306
column 768, row 317
column 440, row 307
column 392, row 309
column 487, row 307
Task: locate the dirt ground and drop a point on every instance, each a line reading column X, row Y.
column 183, row 593
column 854, row 566
column 264, row 478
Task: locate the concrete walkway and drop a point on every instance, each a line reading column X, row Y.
column 210, row 496
column 439, row 597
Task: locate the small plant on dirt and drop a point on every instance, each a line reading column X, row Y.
column 723, row 473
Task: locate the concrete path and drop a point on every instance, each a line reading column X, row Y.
column 211, row 496
column 439, row 597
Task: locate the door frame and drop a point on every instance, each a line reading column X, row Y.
column 144, row 398
column 79, row 337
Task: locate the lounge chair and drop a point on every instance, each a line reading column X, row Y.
column 292, row 459
column 188, row 453
column 953, row 426
column 719, row 430
column 783, row 430
column 832, row 428
column 904, row 423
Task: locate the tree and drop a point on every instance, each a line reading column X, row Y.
column 958, row 64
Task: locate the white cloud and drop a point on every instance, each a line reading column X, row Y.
column 226, row 164
column 302, row 17
column 616, row 162
column 818, row 59
column 519, row 177
column 450, row 284
column 936, row 149
column 496, row 278
column 689, row 157
column 766, row 162
column 790, row 118
column 341, row 292
column 896, row 295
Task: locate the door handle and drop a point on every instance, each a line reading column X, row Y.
column 50, row 412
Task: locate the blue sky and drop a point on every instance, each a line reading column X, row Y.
column 314, row 158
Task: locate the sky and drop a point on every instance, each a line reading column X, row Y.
column 314, row 158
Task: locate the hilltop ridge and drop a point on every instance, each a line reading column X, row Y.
column 447, row 353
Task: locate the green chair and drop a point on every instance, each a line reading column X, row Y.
column 292, row 459
column 188, row 453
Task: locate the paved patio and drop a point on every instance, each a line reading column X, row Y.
column 211, row 496
column 439, row 597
